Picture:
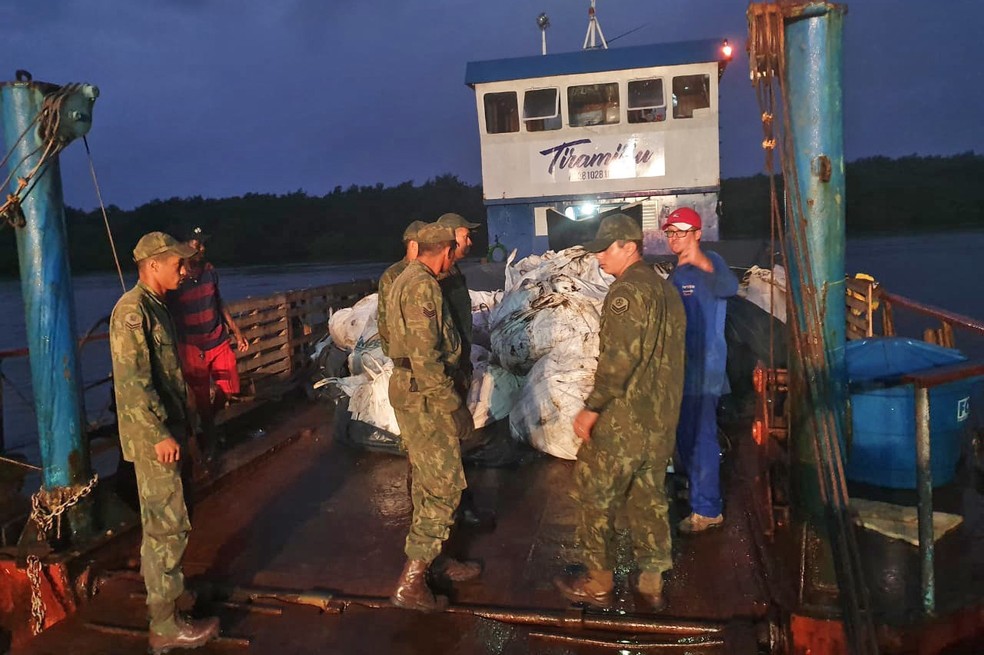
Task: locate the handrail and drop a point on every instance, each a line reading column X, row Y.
column 957, row 320
column 923, row 382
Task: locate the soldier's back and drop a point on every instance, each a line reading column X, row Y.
column 656, row 385
column 383, row 290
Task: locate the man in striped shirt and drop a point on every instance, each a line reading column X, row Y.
column 203, row 325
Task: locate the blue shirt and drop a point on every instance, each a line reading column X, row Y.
column 704, row 301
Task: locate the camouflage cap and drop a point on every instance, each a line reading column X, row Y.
column 454, row 221
column 615, row 227
column 410, row 234
column 158, row 243
column 434, row 233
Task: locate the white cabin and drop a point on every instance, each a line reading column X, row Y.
column 566, row 137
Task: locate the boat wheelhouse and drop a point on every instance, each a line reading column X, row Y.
column 566, row 137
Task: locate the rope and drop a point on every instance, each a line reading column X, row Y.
column 49, row 123
column 102, row 207
column 17, row 462
column 14, row 147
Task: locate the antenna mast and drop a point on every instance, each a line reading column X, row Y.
column 594, row 30
column 543, row 22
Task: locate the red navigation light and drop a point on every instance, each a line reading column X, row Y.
column 726, row 49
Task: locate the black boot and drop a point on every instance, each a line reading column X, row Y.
column 471, row 516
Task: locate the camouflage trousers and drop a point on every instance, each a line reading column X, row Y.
column 437, row 479
column 165, row 522
column 623, row 471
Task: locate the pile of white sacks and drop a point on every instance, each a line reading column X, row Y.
column 534, row 356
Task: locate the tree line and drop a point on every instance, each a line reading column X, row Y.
column 363, row 223
column 884, row 196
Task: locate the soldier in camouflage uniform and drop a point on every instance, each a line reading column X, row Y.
column 151, row 402
column 425, row 348
column 455, row 290
column 389, row 276
column 628, row 424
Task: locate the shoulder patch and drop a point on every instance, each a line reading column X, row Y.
column 429, row 309
column 133, row 320
column 619, row 305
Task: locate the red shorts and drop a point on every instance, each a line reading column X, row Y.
column 201, row 368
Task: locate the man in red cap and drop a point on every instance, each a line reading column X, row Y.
column 704, row 282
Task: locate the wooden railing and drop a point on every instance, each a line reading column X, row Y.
column 865, row 299
column 281, row 330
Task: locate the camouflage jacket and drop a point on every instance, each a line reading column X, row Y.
column 422, row 336
column 455, row 291
column 641, row 363
column 151, row 400
column 386, row 281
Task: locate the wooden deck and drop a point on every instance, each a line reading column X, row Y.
column 317, row 515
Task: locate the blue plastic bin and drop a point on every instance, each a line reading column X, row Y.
column 883, row 445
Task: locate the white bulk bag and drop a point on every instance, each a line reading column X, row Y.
column 554, row 393
column 346, row 325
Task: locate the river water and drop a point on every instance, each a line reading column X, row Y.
column 940, row 269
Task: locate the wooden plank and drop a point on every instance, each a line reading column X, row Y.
column 265, row 329
column 861, row 286
column 272, row 369
column 260, row 316
column 857, row 322
column 261, row 346
column 259, row 302
column 858, row 304
column 256, row 363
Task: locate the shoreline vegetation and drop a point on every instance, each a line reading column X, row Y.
column 909, row 195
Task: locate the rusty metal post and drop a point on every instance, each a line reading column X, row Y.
column 924, row 480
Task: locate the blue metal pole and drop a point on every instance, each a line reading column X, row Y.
column 813, row 55
column 814, row 73
column 49, row 305
column 813, row 84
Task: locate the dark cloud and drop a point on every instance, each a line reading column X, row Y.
column 226, row 97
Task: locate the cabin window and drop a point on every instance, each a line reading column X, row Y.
column 501, row 112
column 592, row 104
column 690, row 92
column 646, row 104
column 541, row 110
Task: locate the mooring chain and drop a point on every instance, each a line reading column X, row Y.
column 46, row 512
column 37, row 604
column 48, row 507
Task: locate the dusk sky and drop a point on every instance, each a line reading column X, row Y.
column 225, row 97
